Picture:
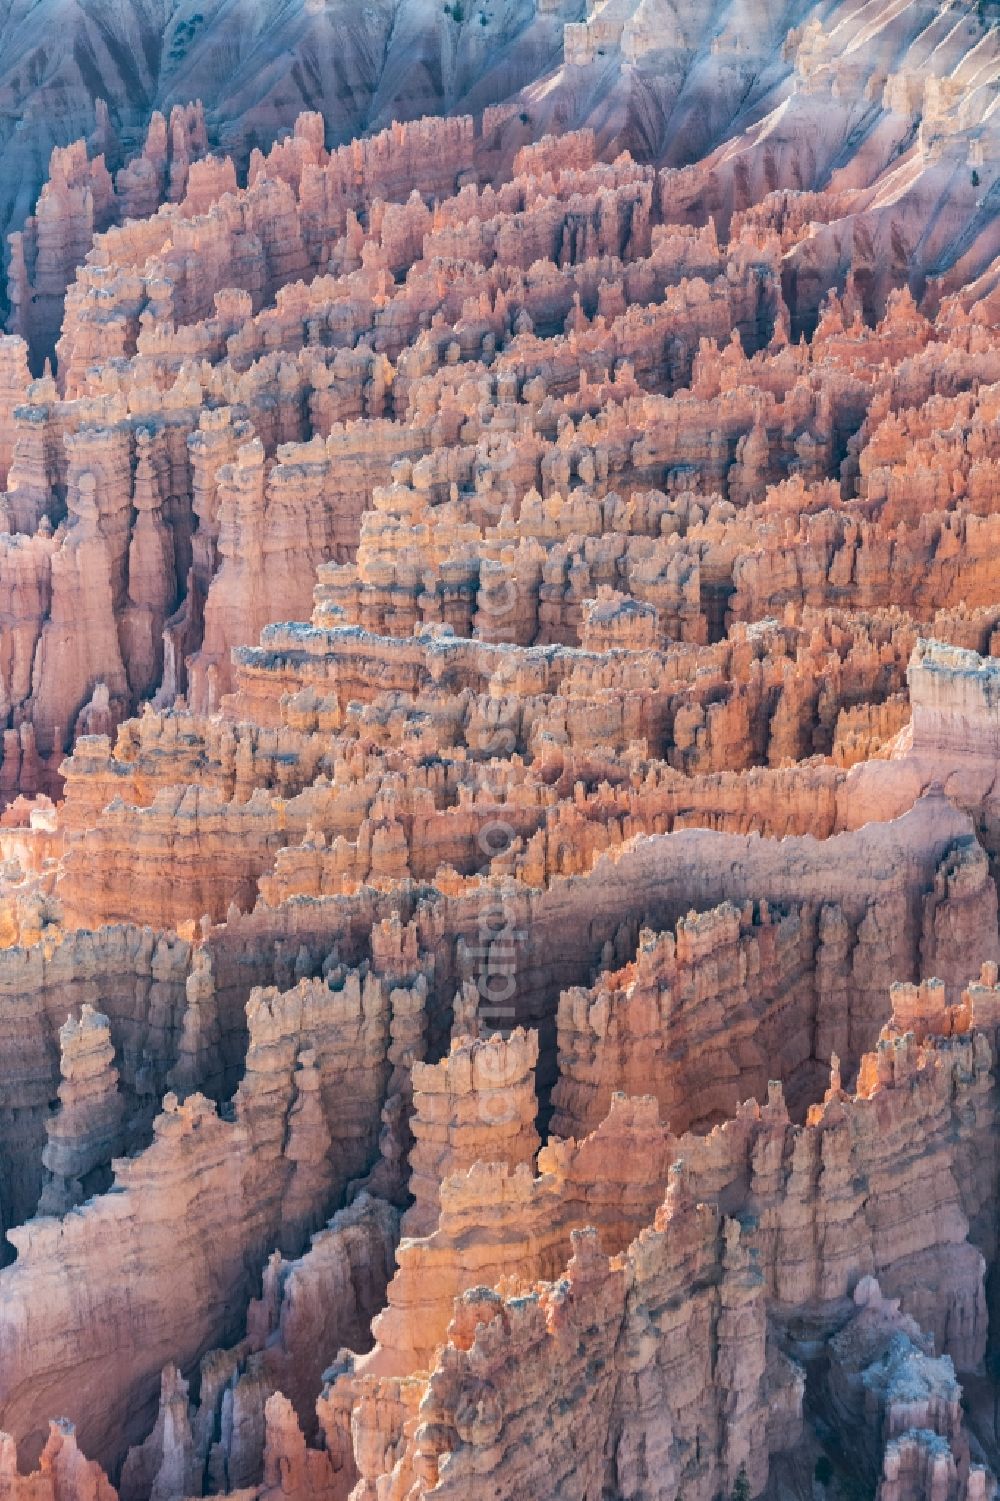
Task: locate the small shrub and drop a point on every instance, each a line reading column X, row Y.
column 824, row 1470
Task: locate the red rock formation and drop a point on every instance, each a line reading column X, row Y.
column 309, row 1309
column 476, row 1105
column 86, row 1132
column 521, row 620
column 76, row 202
column 203, row 1176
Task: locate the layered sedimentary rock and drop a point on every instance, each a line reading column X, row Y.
column 499, row 679
column 138, row 979
column 563, row 210
column 210, row 1195
column 477, row 1105
column 492, row 1385
column 309, row 1309
column 86, row 1133
column 901, row 1405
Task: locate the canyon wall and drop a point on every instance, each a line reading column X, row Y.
column 499, row 839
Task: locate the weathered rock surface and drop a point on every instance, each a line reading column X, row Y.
column 500, row 712
column 86, row 1132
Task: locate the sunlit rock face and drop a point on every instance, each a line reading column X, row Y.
column 500, row 711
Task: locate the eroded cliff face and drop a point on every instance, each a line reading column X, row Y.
column 500, row 695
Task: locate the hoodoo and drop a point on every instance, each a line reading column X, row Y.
column 500, row 760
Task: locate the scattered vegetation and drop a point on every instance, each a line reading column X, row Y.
column 184, row 35
column 823, row 1472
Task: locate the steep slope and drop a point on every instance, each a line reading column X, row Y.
column 500, row 780
column 255, row 66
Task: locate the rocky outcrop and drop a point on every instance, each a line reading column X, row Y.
column 490, row 1389
column 498, row 707
column 86, row 1133
column 139, row 978
column 201, row 1207
column 901, row 1406
column 308, row 1310
column 476, row 1105
column 62, row 1469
